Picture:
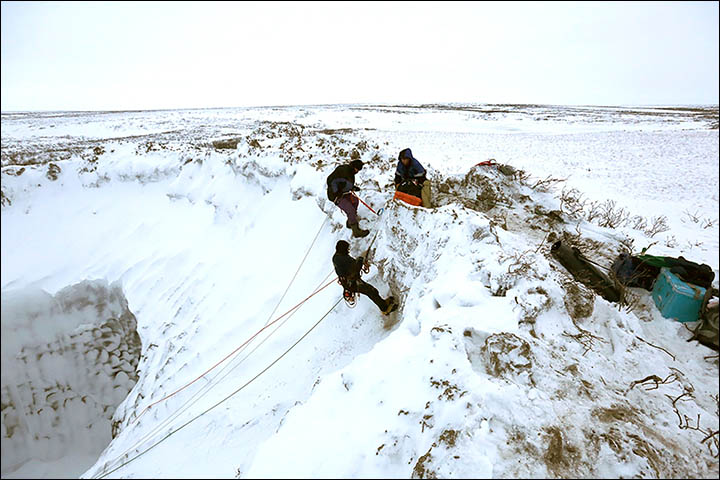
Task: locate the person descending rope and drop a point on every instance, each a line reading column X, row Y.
column 348, row 271
column 340, row 185
column 410, row 177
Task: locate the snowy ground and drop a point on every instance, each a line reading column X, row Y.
column 497, row 364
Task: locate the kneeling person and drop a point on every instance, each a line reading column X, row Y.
column 348, row 269
column 410, row 177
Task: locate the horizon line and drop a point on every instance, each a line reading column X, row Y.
column 370, row 104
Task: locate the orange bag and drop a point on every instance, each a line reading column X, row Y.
column 407, row 198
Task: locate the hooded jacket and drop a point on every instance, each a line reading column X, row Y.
column 414, row 171
column 342, row 180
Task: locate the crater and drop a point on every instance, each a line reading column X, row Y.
column 68, row 361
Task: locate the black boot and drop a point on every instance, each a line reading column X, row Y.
column 357, row 231
column 390, row 305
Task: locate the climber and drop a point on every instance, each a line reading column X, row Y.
column 410, row 177
column 340, row 185
column 348, row 270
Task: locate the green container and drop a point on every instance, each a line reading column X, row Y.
column 677, row 299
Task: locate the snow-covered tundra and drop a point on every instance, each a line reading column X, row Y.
column 169, row 306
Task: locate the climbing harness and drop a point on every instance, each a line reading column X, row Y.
column 350, row 298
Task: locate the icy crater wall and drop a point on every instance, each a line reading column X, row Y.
column 68, row 361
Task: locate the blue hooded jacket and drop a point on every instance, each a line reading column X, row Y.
column 414, row 171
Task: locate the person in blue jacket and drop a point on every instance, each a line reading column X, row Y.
column 340, row 185
column 409, row 171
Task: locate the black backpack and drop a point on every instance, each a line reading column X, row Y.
column 411, row 188
column 343, row 171
column 633, row 272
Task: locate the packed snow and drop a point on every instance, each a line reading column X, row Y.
column 175, row 245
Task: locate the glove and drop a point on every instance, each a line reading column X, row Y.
column 355, row 189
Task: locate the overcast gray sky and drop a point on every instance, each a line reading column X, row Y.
column 147, row 55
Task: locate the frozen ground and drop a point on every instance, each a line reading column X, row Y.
column 497, row 364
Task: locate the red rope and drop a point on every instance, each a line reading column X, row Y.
column 361, row 200
column 231, row 353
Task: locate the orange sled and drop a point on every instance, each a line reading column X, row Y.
column 407, row 198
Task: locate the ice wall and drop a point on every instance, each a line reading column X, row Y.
column 68, row 361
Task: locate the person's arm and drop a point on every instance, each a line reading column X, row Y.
column 398, row 175
column 357, row 266
column 418, row 173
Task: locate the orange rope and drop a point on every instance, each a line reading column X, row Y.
column 231, row 353
column 361, row 200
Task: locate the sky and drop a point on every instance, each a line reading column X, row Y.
column 157, row 55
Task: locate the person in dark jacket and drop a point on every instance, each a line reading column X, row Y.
column 409, row 171
column 348, row 270
column 340, row 185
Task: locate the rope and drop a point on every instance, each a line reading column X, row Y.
column 251, row 338
column 227, row 356
column 276, row 329
column 207, row 386
column 361, row 201
column 203, row 391
column 226, row 398
column 298, row 269
column 367, row 252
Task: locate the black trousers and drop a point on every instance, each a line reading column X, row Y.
column 359, row 286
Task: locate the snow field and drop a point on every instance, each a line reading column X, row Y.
column 481, row 375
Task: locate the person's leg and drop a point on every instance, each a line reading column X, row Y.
column 425, row 194
column 372, row 293
column 353, row 222
column 346, row 205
